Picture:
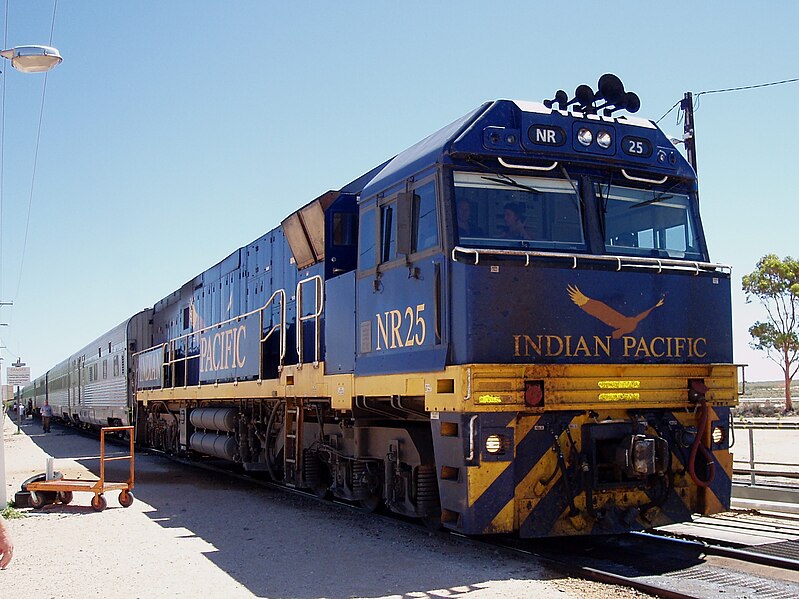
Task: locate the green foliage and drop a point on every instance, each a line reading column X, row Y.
column 775, row 283
column 773, row 277
column 11, row 513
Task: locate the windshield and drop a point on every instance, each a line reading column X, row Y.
column 655, row 223
column 498, row 211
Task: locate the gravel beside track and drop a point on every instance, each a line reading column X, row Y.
column 192, row 533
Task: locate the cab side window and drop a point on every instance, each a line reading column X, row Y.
column 388, row 231
column 366, row 242
column 425, row 219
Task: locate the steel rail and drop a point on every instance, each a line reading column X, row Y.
column 782, row 563
column 767, row 425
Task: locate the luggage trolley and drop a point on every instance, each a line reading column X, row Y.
column 43, row 492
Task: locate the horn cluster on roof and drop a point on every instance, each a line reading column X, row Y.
column 609, row 88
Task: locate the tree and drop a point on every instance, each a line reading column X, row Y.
column 775, row 283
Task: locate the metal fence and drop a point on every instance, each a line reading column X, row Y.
column 754, row 468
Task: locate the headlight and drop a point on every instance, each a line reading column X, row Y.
column 603, row 139
column 717, row 435
column 493, row 444
column 585, row 137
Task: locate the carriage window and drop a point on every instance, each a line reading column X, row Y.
column 648, row 222
column 366, row 241
column 425, row 220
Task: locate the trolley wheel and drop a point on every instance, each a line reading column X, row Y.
column 99, row 503
column 37, row 500
column 125, row 498
column 65, row 497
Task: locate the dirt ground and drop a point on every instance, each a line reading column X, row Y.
column 191, row 533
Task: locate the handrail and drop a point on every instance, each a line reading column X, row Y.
column 643, row 179
column 318, row 309
column 169, row 348
column 470, row 457
column 280, row 327
column 659, row 264
column 103, row 459
column 526, row 167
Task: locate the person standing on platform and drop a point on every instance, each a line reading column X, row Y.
column 47, row 414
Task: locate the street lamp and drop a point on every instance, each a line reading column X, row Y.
column 33, row 59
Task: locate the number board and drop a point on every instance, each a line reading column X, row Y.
column 636, row 146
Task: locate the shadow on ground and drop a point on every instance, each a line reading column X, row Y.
column 278, row 544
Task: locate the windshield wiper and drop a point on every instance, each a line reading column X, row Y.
column 664, row 195
column 506, row 180
column 578, row 200
column 503, row 178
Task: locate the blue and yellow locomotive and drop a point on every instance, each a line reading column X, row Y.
column 512, row 326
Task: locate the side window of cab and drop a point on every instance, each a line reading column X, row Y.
column 424, row 230
column 367, row 254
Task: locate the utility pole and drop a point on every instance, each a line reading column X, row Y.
column 689, row 130
column 18, row 389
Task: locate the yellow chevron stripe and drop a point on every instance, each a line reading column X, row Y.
column 481, row 478
column 505, row 521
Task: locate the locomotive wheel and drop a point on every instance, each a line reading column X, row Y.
column 125, row 498
column 99, row 503
column 65, row 497
column 37, row 500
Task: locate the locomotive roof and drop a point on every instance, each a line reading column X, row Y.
column 455, row 137
column 426, row 152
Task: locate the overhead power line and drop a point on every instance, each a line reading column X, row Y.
column 737, row 89
column 729, row 89
column 35, row 163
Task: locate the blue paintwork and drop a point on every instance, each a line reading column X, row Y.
column 494, row 311
column 422, row 155
column 481, row 314
column 467, row 136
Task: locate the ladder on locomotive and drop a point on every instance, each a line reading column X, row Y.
column 292, row 454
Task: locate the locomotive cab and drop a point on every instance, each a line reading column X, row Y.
column 564, row 301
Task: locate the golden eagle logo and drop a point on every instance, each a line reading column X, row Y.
column 621, row 324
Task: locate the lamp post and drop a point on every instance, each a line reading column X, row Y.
column 26, row 59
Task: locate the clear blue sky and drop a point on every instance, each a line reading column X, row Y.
column 175, row 132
